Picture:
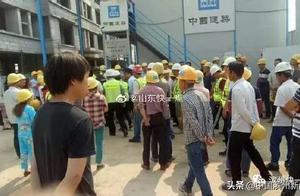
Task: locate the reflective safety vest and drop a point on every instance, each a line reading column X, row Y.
column 142, row 82
column 225, row 93
column 217, row 96
column 112, row 89
column 176, row 94
column 126, row 89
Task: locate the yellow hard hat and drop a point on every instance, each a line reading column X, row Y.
column 207, row 64
column 35, row 103
column 170, row 64
column 164, row 62
column 40, row 72
column 296, row 57
column 118, row 67
column 152, row 77
column 199, row 76
column 22, row 77
column 247, row 73
column 261, row 61
column 33, row 73
column 48, row 96
column 258, row 132
column 203, row 62
column 158, row 67
column 187, row 73
column 144, row 64
column 298, row 61
column 40, row 80
column 92, row 83
column 24, row 95
column 13, row 78
column 102, row 68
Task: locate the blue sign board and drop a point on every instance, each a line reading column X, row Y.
column 113, row 11
column 208, row 4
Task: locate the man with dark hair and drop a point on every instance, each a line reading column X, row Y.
column 274, row 84
column 62, row 132
column 282, row 125
column 244, row 117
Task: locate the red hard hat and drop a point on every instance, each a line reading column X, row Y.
column 137, row 69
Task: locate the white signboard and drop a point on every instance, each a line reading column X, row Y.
column 114, row 15
column 202, row 16
column 116, row 48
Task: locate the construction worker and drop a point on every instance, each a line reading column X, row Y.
column 126, row 110
column 282, row 125
column 197, row 128
column 199, row 85
column 118, row 67
column 25, row 115
column 165, row 64
column 264, row 86
column 175, row 106
column 95, row 105
column 208, row 79
column 112, row 89
column 138, row 84
column 217, row 92
column 295, row 65
column 144, row 67
column 202, row 63
column 293, row 106
column 244, row 117
column 150, row 66
column 33, row 84
column 10, row 101
column 224, row 98
column 274, row 84
column 170, row 66
column 159, row 69
column 238, row 57
column 22, row 81
column 101, row 76
column 216, row 60
column 246, row 161
column 154, row 122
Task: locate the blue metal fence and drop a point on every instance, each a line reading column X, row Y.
column 159, row 39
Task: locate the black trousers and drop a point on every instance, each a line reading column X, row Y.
column 16, row 139
column 127, row 111
column 173, row 112
column 215, row 109
column 157, row 130
column 227, row 125
column 294, row 168
column 118, row 108
column 239, row 141
column 265, row 95
column 273, row 107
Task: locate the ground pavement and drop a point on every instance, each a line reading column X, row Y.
column 123, row 175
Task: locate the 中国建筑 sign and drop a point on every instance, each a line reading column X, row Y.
column 114, row 15
column 201, row 16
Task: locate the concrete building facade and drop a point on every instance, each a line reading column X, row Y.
column 20, row 38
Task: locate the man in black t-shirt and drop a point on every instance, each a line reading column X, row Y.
column 62, row 132
column 264, row 86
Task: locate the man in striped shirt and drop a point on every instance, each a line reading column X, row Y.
column 294, row 168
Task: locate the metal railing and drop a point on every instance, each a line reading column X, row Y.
column 159, row 39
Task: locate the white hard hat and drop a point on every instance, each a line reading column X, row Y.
column 283, row 66
column 116, row 73
column 214, row 69
column 131, row 66
column 150, row 65
column 229, row 60
column 176, row 66
column 110, row 73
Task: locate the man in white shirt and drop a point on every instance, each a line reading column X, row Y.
column 274, row 84
column 10, row 101
column 244, row 117
column 282, row 125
